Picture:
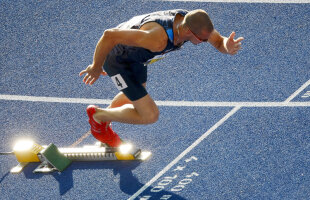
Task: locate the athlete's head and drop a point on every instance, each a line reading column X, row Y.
column 199, row 25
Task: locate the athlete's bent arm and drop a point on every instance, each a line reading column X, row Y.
column 151, row 39
column 131, row 37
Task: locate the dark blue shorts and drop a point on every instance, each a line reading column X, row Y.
column 127, row 77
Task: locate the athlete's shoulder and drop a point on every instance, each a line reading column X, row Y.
column 158, row 34
column 178, row 11
column 182, row 11
column 172, row 12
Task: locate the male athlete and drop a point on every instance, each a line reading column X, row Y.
column 124, row 52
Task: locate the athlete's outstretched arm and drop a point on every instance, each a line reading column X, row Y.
column 225, row 45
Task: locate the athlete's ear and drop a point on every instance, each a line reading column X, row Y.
column 186, row 31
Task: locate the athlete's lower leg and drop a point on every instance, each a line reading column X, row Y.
column 142, row 111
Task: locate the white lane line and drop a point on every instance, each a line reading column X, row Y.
column 54, row 99
column 191, row 147
column 244, row 1
column 287, row 103
column 232, row 104
column 304, row 86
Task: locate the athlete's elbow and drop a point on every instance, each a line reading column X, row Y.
column 158, row 46
column 108, row 32
column 108, row 36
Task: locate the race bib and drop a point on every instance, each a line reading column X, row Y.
column 119, row 82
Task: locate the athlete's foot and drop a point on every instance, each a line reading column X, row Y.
column 101, row 130
column 95, row 124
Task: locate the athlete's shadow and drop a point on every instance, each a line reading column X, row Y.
column 65, row 179
column 129, row 184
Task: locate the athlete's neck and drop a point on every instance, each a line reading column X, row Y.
column 177, row 25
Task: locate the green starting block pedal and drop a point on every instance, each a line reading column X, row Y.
column 52, row 160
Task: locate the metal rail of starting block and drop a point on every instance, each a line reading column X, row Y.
column 52, row 158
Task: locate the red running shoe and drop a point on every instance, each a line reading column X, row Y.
column 101, row 131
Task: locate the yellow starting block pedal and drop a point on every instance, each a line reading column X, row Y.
column 25, row 151
column 58, row 159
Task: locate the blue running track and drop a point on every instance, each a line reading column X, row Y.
column 231, row 127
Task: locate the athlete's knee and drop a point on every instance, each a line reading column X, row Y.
column 149, row 115
column 152, row 116
column 147, row 109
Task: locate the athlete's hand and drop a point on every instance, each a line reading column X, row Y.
column 232, row 45
column 92, row 74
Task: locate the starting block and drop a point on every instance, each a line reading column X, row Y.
column 52, row 158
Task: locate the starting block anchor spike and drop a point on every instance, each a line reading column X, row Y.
column 17, row 169
column 7, row 153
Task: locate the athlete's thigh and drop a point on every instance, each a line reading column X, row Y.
column 128, row 79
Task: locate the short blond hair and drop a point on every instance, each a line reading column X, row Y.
column 198, row 21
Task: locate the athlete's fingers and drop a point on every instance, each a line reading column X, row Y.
column 103, row 73
column 239, row 39
column 238, row 44
column 86, row 78
column 234, row 53
column 82, row 72
column 90, row 78
column 236, row 49
column 232, row 35
column 93, row 81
